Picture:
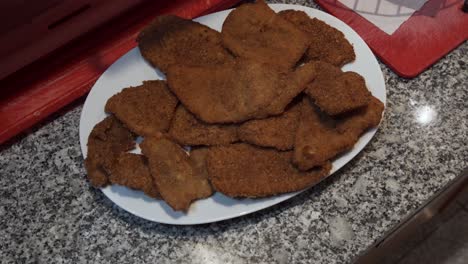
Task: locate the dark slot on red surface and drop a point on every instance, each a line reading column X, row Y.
column 34, row 92
column 69, row 16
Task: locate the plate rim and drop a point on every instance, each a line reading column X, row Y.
column 279, row 198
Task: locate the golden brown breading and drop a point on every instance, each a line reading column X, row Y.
column 105, row 142
column 339, row 94
column 239, row 91
column 146, row 109
column 276, row 131
column 320, row 137
column 178, row 182
column 317, row 139
column 294, row 84
column 326, row 43
column 256, row 32
column 364, row 118
column 242, row 170
column 198, row 161
column 173, row 40
column 187, row 130
column 132, row 170
column 326, row 71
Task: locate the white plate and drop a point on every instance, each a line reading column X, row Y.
column 131, row 69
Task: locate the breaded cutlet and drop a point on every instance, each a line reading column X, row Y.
column 277, row 131
column 146, row 109
column 188, row 130
column 326, row 43
column 237, row 92
column 339, row 94
column 243, row 170
column 198, row 161
column 172, row 40
column 317, row 139
column 106, row 141
column 320, row 137
column 362, row 119
column 177, row 180
column 254, row 31
column 132, row 170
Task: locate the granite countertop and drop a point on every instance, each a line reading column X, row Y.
column 50, row 214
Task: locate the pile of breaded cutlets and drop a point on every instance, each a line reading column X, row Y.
column 262, row 105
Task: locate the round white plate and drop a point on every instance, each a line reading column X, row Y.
column 131, row 69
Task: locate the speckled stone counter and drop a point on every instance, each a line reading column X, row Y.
column 50, row 214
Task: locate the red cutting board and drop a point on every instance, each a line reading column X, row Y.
column 430, row 33
column 36, row 91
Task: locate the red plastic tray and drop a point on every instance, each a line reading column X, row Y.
column 430, row 33
column 36, row 91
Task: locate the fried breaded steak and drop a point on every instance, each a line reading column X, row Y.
column 243, row 170
column 339, row 94
column 173, row 40
column 320, row 137
column 146, row 109
column 132, row 170
column 326, row 43
column 256, row 32
column 178, row 182
column 106, row 141
column 187, row 130
column 198, row 161
column 362, row 119
column 237, row 92
column 276, row 131
column 317, row 139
